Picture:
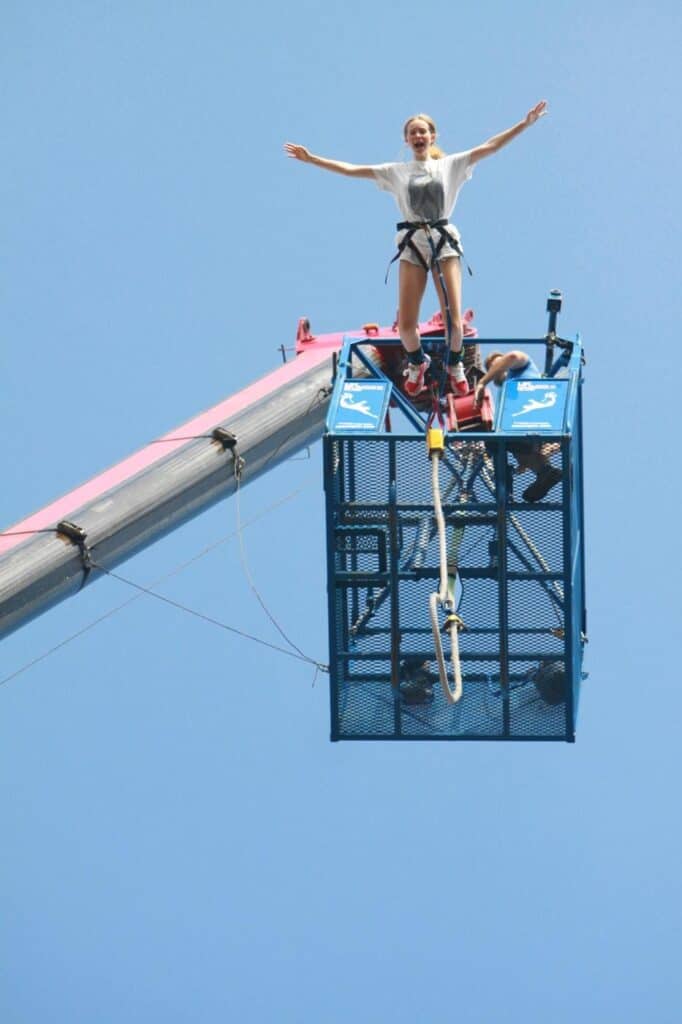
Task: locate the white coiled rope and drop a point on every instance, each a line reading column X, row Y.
column 442, row 598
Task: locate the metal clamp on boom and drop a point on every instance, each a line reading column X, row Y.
column 78, row 536
column 229, row 442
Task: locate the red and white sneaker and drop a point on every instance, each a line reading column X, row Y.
column 414, row 377
column 457, row 379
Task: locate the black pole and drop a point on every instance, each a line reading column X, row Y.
column 554, row 300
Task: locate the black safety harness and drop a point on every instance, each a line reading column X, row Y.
column 410, row 227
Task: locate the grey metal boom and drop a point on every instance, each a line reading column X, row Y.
column 38, row 572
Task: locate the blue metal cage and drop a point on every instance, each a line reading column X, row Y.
column 517, row 566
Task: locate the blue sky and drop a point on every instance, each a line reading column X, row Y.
column 180, row 840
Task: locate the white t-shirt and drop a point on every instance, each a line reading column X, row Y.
column 425, row 189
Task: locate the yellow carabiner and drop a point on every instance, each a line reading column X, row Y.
column 435, row 440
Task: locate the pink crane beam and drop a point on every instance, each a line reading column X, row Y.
column 45, row 557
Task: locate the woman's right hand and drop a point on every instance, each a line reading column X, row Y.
column 297, row 152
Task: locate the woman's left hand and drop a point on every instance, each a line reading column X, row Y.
column 537, row 112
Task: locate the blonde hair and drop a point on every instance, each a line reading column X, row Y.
column 434, row 151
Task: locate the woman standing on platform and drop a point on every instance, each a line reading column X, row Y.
column 426, row 189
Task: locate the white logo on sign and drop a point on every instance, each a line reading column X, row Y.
column 348, row 402
column 362, row 386
column 533, row 404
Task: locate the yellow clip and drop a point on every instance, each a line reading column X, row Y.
column 435, row 440
column 452, row 620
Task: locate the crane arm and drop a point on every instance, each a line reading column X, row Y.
column 151, row 492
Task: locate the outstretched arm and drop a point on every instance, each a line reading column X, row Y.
column 515, row 360
column 498, row 141
column 305, row 156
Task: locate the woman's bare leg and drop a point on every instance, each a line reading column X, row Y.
column 411, row 287
column 452, row 275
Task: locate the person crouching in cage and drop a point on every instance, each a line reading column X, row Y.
column 530, row 455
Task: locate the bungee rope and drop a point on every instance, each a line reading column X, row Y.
column 444, row 596
column 435, row 262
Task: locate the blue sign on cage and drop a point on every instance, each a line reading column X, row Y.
column 533, row 405
column 360, row 405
